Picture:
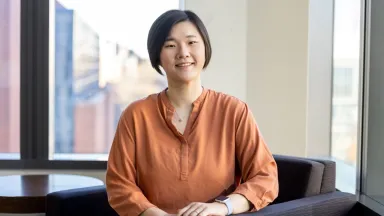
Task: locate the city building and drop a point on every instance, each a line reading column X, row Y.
column 9, row 76
column 82, row 107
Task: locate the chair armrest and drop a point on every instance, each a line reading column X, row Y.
column 94, row 201
column 330, row 204
column 82, row 201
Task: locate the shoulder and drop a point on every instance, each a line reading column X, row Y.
column 227, row 101
column 140, row 107
column 232, row 107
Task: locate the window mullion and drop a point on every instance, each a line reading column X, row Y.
column 34, row 115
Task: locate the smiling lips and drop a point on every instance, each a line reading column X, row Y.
column 185, row 64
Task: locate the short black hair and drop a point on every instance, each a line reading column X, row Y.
column 160, row 29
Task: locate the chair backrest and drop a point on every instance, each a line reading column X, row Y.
column 303, row 177
column 329, row 176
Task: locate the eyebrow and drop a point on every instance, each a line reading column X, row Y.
column 172, row 39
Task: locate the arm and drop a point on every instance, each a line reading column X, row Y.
column 258, row 168
column 124, row 196
column 154, row 211
column 240, row 203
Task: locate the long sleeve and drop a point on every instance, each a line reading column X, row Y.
column 124, row 196
column 258, row 167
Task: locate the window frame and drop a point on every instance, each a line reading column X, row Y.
column 34, row 94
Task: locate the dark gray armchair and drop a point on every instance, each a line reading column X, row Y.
column 306, row 188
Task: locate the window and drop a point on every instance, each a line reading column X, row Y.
column 343, row 82
column 82, row 63
column 101, row 66
column 9, row 79
column 345, row 97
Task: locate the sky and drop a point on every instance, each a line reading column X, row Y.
column 124, row 21
column 347, row 29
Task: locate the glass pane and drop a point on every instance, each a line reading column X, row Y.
column 9, row 79
column 101, row 66
column 346, row 61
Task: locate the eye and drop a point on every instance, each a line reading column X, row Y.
column 192, row 42
column 169, row 45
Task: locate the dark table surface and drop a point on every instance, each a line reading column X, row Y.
column 26, row 193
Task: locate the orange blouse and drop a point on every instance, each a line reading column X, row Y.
column 152, row 164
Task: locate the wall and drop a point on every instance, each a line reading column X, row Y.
column 262, row 54
column 226, row 21
column 277, row 72
column 319, row 77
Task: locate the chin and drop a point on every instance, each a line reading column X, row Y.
column 183, row 76
column 187, row 77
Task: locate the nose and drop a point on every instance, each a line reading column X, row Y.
column 183, row 52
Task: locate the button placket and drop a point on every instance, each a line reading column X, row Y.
column 184, row 148
column 184, row 160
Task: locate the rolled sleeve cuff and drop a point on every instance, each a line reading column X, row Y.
column 132, row 209
column 257, row 202
column 140, row 208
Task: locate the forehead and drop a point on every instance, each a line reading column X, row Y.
column 184, row 29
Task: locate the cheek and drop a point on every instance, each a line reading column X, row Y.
column 201, row 57
column 165, row 59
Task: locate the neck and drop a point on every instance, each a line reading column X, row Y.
column 182, row 96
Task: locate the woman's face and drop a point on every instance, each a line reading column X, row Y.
column 183, row 53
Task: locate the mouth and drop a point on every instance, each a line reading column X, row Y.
column 185, row 64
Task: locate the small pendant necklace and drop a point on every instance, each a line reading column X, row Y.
column 178, row 116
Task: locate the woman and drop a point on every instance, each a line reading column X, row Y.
column 179, row 151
